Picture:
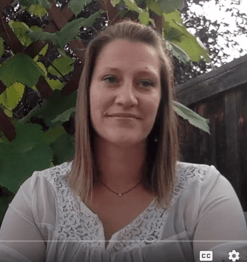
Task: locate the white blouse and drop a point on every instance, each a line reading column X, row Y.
column 47, row 222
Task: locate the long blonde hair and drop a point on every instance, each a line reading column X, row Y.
column 162, row 156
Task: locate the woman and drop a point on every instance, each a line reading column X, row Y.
column 125, row 196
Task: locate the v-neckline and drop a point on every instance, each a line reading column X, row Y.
column 85, row 207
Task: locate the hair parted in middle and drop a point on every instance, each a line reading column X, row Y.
column 162, row 156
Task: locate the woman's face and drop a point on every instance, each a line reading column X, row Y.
column 125, row 92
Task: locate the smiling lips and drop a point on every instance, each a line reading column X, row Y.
column 124, row 115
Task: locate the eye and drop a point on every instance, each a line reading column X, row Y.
column 146, row 83
column 110, row 79
column 143, row 83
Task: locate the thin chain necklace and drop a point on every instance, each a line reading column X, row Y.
column 119, row 194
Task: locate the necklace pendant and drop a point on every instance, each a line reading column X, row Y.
column 120, row 194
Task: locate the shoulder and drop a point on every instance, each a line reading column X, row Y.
column 198, row 181
column 190, row 172
column 47, row 178
column 55, row 172
column 194, row 180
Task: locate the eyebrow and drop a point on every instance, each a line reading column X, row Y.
column 137, row 72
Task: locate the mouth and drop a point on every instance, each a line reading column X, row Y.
column 124, row 116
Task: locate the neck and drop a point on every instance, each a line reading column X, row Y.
column 120, row 167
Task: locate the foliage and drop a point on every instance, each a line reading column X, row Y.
column 191, row 116
column 42, row 133
column 10, row 71
column 218, row 37
column 11, row 97
column 56, row 110
column 26, row 153
column 1, row 46
column 67, row 33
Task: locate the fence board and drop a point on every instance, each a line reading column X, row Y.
column 232, row 156
column 212, row 137
column 242, row 139
column 226, row 108
column 6, row 126
column 9, row 36
column 214, row 82
column 201, row 152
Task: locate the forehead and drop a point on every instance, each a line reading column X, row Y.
column 127, row 55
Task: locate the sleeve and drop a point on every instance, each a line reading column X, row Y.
column 20, row 237
column 221, row 225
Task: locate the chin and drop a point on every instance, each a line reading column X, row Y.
column 125, row 141
column 122, row 138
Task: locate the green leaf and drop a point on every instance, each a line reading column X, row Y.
column 143, row 15
column 155, row 7
column 28, row 136
column 53, row 133
column 67, row 33
column 172, row 34
column 131, row 4
column 44, row 36
column 55, row 105
column 45, row 3
column 62, row 52
column 63, row 64
column 36, row 28
column 12, row 95
column 179, row 53
column 55, row 84
column 4, row 204
column 42, row 67
column 1, row 46
column 27, row 153
column 65, row 116
column 28, row 2
column 168, row 6
column 37, row 10
column 41, row 53
column 144, row 18
column 63, row 148
column 115, row 2
column 3, row 137
column 193, row 118
column 33, row 113
column 7, row 110
column 92, row 19
column 182, row 38
column 76, row 6
column 19, row 68
column 21, row 29
column 71, row 29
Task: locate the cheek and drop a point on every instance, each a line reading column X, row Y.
column 94, row 98
column 98, row 107
column 93, row 107
column 152, row 107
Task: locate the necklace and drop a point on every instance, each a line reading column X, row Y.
column 119, row 194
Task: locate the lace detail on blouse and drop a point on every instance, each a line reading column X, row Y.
column 76, row 224
column 145, row 229
column 186, row 174
column 148, row 227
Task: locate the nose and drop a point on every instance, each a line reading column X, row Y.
column 126, row 95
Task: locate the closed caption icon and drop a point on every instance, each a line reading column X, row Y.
column 206, row 255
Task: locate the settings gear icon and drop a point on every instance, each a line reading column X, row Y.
column 233, row 256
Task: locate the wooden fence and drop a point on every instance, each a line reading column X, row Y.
column 220, row 96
